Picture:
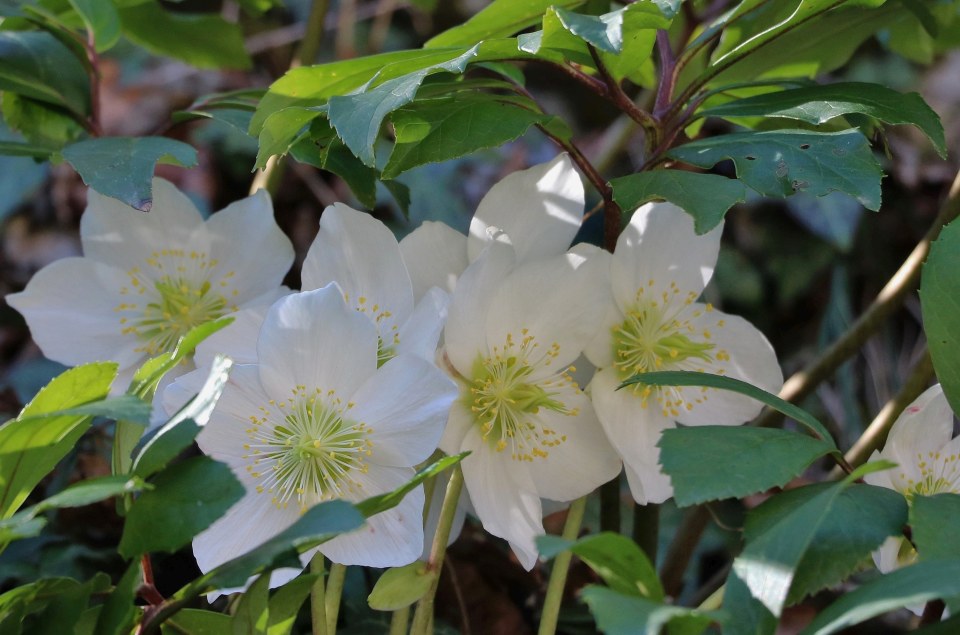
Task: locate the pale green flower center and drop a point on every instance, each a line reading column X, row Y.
column 508, row 390
column 307, row 449
column 939, row 474
column 657, row 334
column 175, row 292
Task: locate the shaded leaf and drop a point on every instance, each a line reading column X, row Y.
column 940, row 304
column 252, row 615
column 934, row 521
column 401, row 586
column 196, row 622
column 37, row 65
column 122, row 167
column 118, row 612
column 101, row 18
column 286, row 601
column 619, row 614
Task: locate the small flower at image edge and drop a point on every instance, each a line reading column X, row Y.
column 927, row 455
column 654, row 322
column 315, row 419
column 146, row 279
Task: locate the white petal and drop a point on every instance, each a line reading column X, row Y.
column 225, row 434
column 70, row 307
column 752, row 359
column 659, row 245
column 238, row 341
column 583, row 462
column 634, row 432
column 390, row 539
column 114, row 233
column 504, row 497
column 312, row 339
column 459, row 423
column 464, row 336
column 435, row 255
column 252, row 251
column 539, row 208
column 405, row 405
column 420, row 334
column 925, row 426
column 881, row 478
column 362, row 256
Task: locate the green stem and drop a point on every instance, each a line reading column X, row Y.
column 423, row 616
column 561, row 565
column 334, row 590
column 318, row 608
column 399, row 621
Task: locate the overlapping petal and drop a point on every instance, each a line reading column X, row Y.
column 435, row 255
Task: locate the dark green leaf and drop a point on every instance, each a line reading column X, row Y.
column 253, row 615
column 758, row 584
column 128, row 407
column 783, row 162
column 39, row 122
column 401, row 586
column 196, row 622
column 101, row 18
column 179, row 432
column 357, row 117
column 934, row 521
column 690, row 378
column 619, row 614
column 118, row 612
column 32, row 444
column 35, row 64
column 325, row 151
column 282, row 130
column 819, row 104
column 376, row 504
column 861, row 518
column 615, row 558
column 186, row 499
column 442, row 129
column 16, row 149
column 205, row 40
column 940, row 303
column 501, row 18
column 706, row 197
column 714, row 462
column 950, row 626
column 916, row 584
column 286, row 601
column 122, row 167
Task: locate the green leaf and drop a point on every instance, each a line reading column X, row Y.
column 783, row 162
column 376, row 504
column 122, row 167
column 940, row 305
column 819, row 104
column 186, row 499
column 49, row 606
column 619, row 614
column 118, row 612
column 934, row 520
column 32, row 444
column 253, row 615
column 501, row 18
column 17, row 149
column 286, row 601
column 196, row 622
column 690, row 378
column 35, row 64
column 916, row 584
column 401, row 586
column 762, row 574
column 204, row 40
column 441, row 129
column 615, row 558
column 128, row 407
column 101, row 18
column 39, row 122
column 714, row 462
column 357, row 117
column 706, row 197
column 861, row 518
column 282, row 130
column 179, row 432
column 325, row 151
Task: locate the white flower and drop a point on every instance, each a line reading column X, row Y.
column 511, row 334
column 539, row 208
column 316, row 419
column 361, row 255
column 654, row 322
column 145, row 279
column 927, row 455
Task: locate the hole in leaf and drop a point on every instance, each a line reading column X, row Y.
column 805, row 146
column 750, row 158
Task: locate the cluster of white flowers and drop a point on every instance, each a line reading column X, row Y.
column 393, row 350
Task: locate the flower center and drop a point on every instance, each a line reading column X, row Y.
column 388, row 331
column 506, row 394
column 938, row 475
column 306, row 448
column 173, row 295
column 663, row 333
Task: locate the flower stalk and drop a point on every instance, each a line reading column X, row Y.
column 333, row 593
column 561, row 566
column 318, row 604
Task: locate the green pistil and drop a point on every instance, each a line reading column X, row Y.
column 647, row 340
column 384, row 353
column 181, row 306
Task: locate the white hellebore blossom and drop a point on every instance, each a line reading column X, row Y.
column 361, row 255
column 146, row 279
column 927, row 455
column 315, row 419
column 540, row 208
column 511, row 336
column 654, row 322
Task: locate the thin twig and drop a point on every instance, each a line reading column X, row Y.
column 615, row 93
column 668, row 75
column 681, row 550
column 890, row 298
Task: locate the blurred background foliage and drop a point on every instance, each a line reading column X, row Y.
column 800, row 269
